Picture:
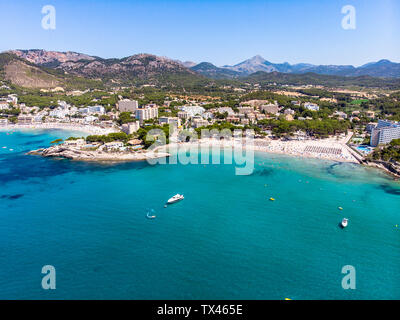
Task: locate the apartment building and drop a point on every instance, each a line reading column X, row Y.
column 170, row 120
column 385, row 132
column 131, row 127
column 127, row 105
column 92, row 110
column 146, row 113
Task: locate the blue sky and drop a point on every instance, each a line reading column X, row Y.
column 218, row 31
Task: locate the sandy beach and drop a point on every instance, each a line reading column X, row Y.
column 326, row 149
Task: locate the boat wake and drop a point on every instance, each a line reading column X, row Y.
column 151, row 214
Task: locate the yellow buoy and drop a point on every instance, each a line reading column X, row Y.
column 287, row 299
column 272, row 199
column 340, row 208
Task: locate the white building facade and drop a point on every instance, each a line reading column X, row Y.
column 385, row 132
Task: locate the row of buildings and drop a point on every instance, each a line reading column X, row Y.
column 195, row 114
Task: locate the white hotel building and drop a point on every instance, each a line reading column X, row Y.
column 385, row 132
column 193, row 110
column 127, row 105
column 146, row 113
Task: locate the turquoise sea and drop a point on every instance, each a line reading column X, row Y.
column 226, row 240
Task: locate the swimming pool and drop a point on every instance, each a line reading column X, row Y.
column 365, row 149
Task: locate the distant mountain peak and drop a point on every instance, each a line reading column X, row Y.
column 254, row 64
column 257, row 58
column 253, row 61
column 384, row 61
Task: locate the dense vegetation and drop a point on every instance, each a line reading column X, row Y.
column 389, row 153
column 388, row 106
column 12, row 111
column 125, row 117
column 34, row 97
column 149, row 139
column 317, row 128
column 115, row 136
column 264, row 79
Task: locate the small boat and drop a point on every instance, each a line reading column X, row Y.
column 175, row 198
column 344, row 222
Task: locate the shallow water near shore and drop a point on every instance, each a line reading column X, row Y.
column 226, row 240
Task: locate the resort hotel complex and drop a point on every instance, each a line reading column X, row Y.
column 141, row 113
column 385, row 132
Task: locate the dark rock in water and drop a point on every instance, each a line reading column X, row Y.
column 335, row 170
column 389, row 189
column 331, row 168
column 12, row 197
column 264, row 172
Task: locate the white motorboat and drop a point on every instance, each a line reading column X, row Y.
column 175, row 198
column 344, row 222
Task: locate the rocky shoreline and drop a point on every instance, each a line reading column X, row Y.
column 67, row 152
column 385, row 166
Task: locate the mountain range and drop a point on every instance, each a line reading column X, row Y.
column 146, row 64
column 138, row 68
column 138, row 65
column 46, row 69
column 382, row 68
